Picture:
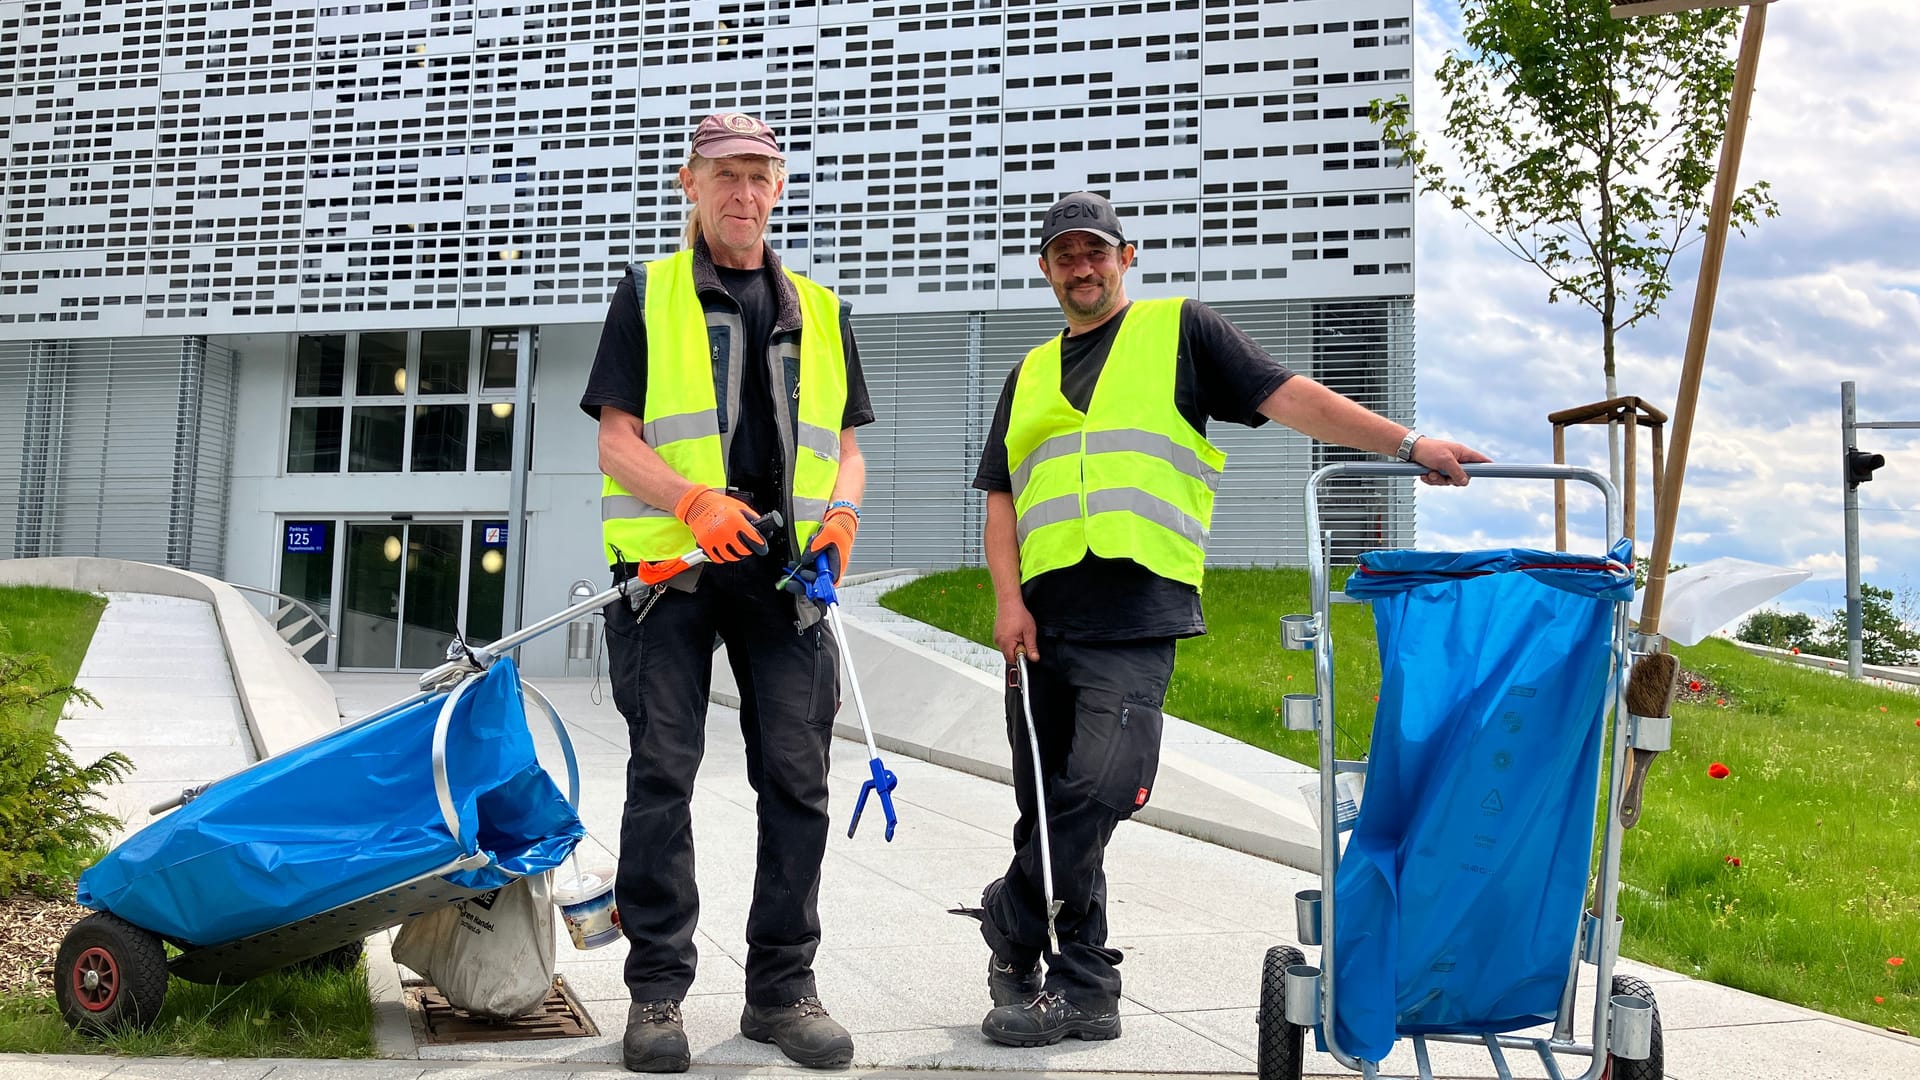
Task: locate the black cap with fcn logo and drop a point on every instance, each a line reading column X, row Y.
column 1082, row 211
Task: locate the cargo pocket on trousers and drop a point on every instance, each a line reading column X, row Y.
column 1132, row 757
column 824, row 700
column 624, row 660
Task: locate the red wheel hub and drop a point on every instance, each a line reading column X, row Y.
column 96, row 980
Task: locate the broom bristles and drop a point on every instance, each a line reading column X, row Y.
column 1651, row 685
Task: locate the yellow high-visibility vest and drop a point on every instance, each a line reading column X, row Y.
column 681, row 418
column 1127, row 479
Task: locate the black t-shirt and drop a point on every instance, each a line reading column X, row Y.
column 619, row 378
column 1222, row 375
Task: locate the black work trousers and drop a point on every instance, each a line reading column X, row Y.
column 789, row 683
column 1096, row 707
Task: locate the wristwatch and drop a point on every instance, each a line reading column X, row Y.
column 1405, row 453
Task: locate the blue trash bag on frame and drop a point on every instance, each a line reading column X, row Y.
column 341, row 818
column 1459, row 895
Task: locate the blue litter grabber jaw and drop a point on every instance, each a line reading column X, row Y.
column 883, row 783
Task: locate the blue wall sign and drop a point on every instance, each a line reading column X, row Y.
column 493, row 535
column 306, row 537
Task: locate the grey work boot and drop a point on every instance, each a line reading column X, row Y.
column 802, row 1030
column 1011, row 985
column 655, row 1042
column 1046, row 1020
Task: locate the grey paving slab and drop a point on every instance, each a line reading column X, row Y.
column 1148, row 1044
column 51, row 1067
column 193, row 1069
column 1806, row 1050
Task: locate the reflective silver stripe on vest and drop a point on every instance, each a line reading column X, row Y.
column 824, row 443
column 809, row 509
column 1154, row 444
column 1056, row 447
column 1048, row 512
column 614, row 507
column 671, row 429
column 1152, row 507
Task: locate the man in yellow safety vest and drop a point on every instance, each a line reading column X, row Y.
column 726, row 386
column 1100, row 484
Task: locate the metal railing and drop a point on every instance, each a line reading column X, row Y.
column 290, row 631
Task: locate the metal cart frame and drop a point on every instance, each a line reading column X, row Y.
column 1625, row 1024
column 111, row 973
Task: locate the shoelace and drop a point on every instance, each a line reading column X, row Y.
column 809, row 1006
column 660, row 1012
column 1009, row 969
column 1046, row 1001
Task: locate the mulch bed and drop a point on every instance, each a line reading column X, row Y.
column 1708, row 694
column 30, row 931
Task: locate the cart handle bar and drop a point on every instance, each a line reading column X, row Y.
column 481, row 657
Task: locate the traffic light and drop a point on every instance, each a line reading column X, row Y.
column 1860, row 466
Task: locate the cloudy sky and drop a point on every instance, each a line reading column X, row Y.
column 1827, row 291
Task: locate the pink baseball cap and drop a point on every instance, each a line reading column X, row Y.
column 735, row 135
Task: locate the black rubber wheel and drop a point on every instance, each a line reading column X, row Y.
column 109, row 974
column 1282, row 1054
column 1654, row 1065
column 338, row 958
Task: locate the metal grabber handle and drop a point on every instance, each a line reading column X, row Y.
column 883, row 781
column 1040, row 797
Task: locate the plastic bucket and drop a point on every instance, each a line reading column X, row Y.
column 586, row 906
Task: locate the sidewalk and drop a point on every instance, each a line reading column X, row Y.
column 1193, row 918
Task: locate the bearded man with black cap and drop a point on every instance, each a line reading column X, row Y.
column 1100, row 484
column 726, row 386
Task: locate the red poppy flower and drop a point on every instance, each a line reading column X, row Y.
column 1878, row 1000
column 1896, row 961
column 1719, row 771
column 1796, row 650
column 1733, row 860
column 1694, row 686
column 1883, row 708
column 1722, row 701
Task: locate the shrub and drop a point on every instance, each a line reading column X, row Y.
column 48, row 801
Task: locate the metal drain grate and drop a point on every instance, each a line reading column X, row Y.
column 558, row 1017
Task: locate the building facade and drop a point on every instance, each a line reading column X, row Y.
column 304, row 296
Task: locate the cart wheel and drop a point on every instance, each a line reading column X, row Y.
column 338, row 958
column 109, row 974
column 1282, row 1054
column 1654, row 1065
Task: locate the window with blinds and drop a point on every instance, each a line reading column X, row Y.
column 116, row 447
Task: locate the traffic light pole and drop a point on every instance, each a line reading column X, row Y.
column 1852, row 504
column 1856, row 468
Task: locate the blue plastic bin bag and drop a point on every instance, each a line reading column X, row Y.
column 1460, row 892
column 342, row 818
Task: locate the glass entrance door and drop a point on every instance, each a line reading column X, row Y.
column 407, row 588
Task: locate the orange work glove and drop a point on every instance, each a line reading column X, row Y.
column 722, row 525
column 835, row 538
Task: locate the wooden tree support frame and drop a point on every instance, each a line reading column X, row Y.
column 1632, row 412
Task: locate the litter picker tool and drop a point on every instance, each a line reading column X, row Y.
column 1040, row 799
column 819, row 587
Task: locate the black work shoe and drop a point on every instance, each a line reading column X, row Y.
column 802, row 1030
column 1011, row 985
column 655, row 1042
column 1046, row 1020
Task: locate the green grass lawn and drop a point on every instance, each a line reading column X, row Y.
column 1822, row 806
column 282, row 1015
column 56, row 623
